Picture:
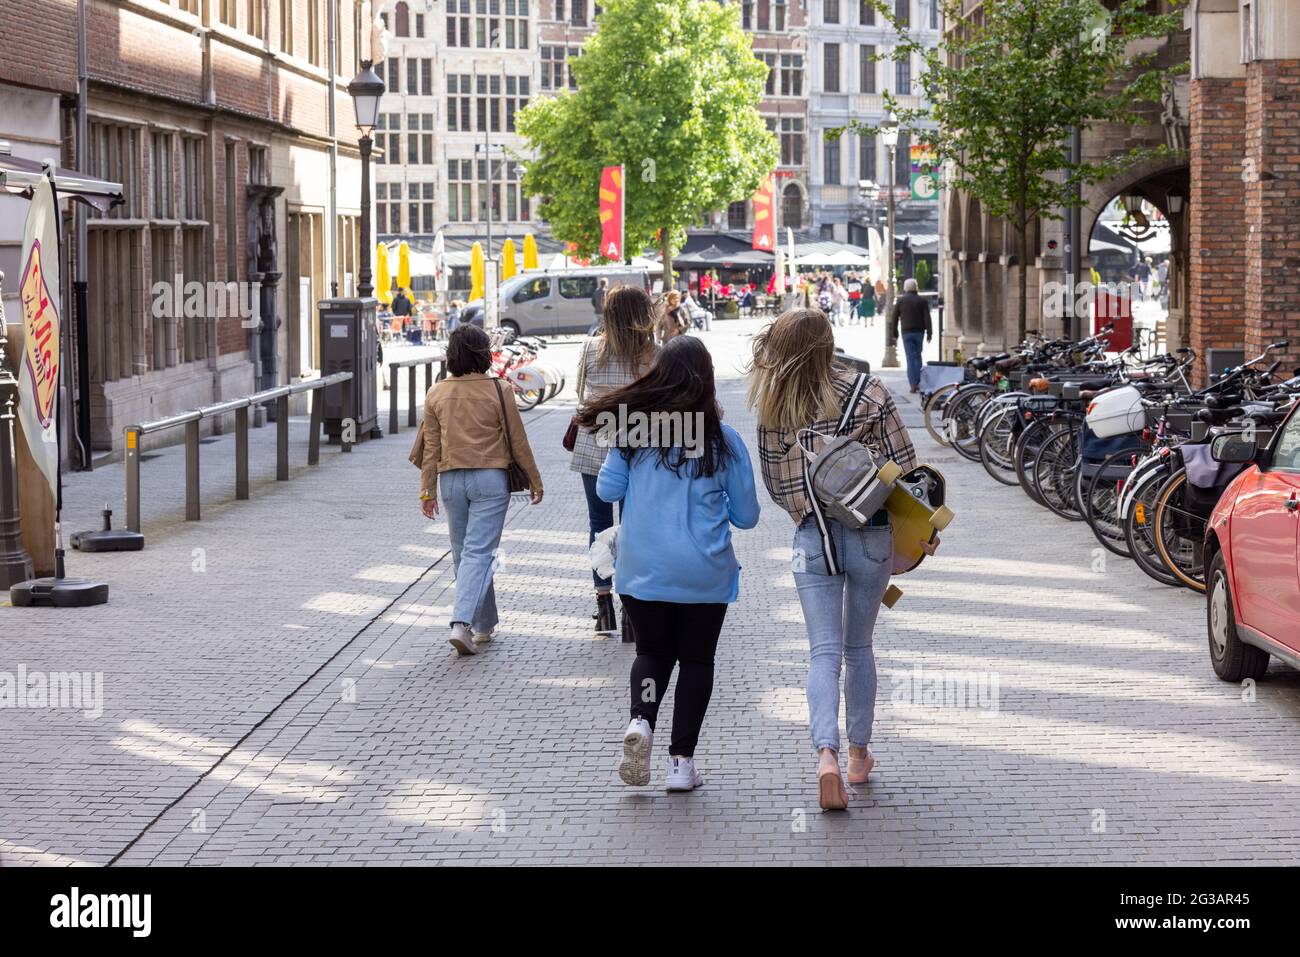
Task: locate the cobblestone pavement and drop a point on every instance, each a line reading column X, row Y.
column 278, row 690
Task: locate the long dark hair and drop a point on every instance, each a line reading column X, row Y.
column 627, row 328
column 680, row 381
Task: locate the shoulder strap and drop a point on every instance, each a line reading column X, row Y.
column 582, row 368
column 505, row 421
column 851, row 403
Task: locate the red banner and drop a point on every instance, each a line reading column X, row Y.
column 764, row 218
column 611, row 212
column 571, row 254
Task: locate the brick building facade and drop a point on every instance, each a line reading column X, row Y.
column 206, row 111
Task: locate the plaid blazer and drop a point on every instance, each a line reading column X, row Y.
column 593, row 382
column 875, row 423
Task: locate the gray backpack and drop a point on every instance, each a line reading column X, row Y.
column 845, row 480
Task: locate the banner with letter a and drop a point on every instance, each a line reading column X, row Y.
column 611, row 212
column 38, row 292
column 765, row 215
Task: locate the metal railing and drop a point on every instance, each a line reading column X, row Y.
column 191, row 420
column 427, row 361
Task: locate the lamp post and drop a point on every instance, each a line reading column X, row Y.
column 889, row 133
column 366, row 91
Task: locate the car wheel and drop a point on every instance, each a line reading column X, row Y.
column 511, row 330
column 1232, row 658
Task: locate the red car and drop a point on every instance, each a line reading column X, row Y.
column 1252, row 556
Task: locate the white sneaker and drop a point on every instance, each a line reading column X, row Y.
column 482, row 637
column 682, row 775
column 637, row 741
column 462, row 640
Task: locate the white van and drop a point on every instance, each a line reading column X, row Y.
column 553, row 302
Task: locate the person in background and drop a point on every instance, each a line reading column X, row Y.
column 841, row 573
column 453, row 315
column 672, row 319
column 618, row 354
column 912, row 316
column 675, row 565
column 471, row 432
column 598, row 304
column 402, row 313
column 854, row 287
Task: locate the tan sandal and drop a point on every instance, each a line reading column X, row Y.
column 830, row 791
column 861, row 777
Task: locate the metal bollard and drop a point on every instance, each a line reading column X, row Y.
column 317, row 417
column 282, row 438
column 133, row 479
column 392, row 398
column 348, row 421
column 241, row 454
column 191, row 471
column 410, row 396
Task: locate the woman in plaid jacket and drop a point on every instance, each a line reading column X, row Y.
column 618, row 354
column 841, row 573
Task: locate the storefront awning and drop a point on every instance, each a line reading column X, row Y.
column 18, row 176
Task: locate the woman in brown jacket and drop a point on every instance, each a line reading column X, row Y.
column 472, row 431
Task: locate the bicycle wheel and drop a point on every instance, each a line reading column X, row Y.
column 1025, row 452
column 527, row 398
column 1101, row 501
column 1054, row 471
column 1139, row 528
column 1178, row 532
column 962, row 413
column 997, row 440
column 935, row 409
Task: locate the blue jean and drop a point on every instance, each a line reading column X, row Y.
column 840, row 614
column 476, row 501
column 600, row 516
column 912, row 344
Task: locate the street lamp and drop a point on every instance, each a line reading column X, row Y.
column 889, row 133
column 366, row 91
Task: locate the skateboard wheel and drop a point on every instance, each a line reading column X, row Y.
column 931, row 546
column 941, row 517
column 889, row 473
column 892, row 594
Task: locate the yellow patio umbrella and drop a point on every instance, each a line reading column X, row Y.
column 383, row 279
column 530, row 252
column 404, row 266
column 508, row 265
column 476, row 272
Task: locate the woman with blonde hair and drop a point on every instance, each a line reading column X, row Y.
column 618, row 354
column 671, row 321
column 841, row 573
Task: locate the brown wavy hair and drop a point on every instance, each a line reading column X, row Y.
column 792, row 370
column 627, row 328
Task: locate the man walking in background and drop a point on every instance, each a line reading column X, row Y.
column 912, row 315
column 598, row 304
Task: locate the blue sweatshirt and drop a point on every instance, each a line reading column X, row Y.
column 675, row 540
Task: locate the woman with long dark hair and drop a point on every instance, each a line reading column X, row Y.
column 841, row 573
column 620, row 351
column 470, row 434
column 684, row 479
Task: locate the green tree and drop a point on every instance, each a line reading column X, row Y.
column 1007, row 89
column 670, row 89
column 923, row 275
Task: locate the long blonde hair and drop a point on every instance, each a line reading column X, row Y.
column 627, row 328
column 792, row 371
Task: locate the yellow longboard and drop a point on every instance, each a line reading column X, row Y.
column 917, row 514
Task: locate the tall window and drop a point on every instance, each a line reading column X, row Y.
column 903, row 160
column 764, row 15
column 903, row 12
column 458, row 23
column 831, row 67
column 867, row 158
column 458, row 102
column 790, row 132
column 516, row 99
column 778, row 16
column 902, row 77
column 578, row 12
column 831, row 11
column 460, row 178
column 192, row 178
column 831, row 162
column 286, row 26
column 402, row 20
column 792, row 74
column 232, row 212
column 771, row 60
column 229, row 13
column 737, row 215
column 747, row 14
column 934, row 14
column 315, row 49
column 391, row 81
column 866, row 69
column 866, row 13
column 253, row 18
column 516, row 24
column 792, row 207
column 160, row 177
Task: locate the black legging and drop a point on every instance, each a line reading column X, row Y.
column 669, row 633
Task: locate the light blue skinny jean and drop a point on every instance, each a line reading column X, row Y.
column 840, row 614
column 475, row 501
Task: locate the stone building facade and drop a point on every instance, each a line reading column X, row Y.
column 223, row 122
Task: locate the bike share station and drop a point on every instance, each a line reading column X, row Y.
column 349, row 342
